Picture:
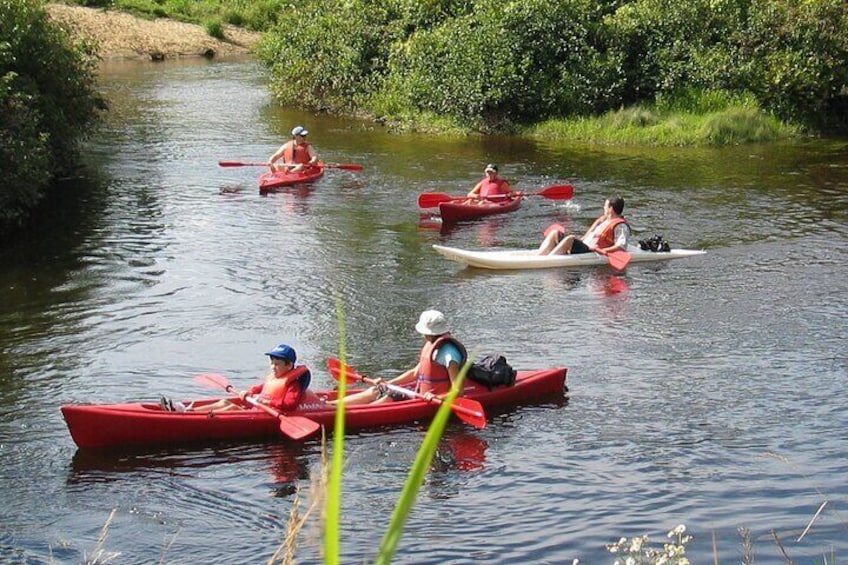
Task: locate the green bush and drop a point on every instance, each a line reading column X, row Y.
column 215, row 28
column 48, row 101
column 492, row 65
column 329, row 55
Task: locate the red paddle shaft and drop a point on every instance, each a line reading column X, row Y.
column 557, row 192
column 295, row 427
column 345, row 166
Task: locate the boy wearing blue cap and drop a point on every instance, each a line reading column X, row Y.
column 282, row 388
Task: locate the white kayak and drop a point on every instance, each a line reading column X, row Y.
column 527, row 258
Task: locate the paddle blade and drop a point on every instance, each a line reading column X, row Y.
column 619, row 259
column 558, row 192
column 295, row 427
column 335, row 367
column 240, row 164
column 213, row 380
column 298, row 427
column 469, row 411
column 433, row 199
column 344, row 166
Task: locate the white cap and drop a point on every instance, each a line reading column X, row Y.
column 432, row 322
column 299, row 130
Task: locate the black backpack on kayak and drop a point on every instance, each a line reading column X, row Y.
column 492, row 371
column 655, row 244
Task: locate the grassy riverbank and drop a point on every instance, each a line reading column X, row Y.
column 143, row 28
column 680, row 124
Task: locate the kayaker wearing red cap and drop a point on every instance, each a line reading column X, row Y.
column 439, row 363
column 609, row 232
column 283, row 388
column 297, row 152
column 492, row 188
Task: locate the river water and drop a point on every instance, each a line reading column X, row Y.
column 708, row 391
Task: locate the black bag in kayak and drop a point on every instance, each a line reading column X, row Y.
column 492, row 371
column 654, row 244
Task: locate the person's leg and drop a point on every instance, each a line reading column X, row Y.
column 367, row 396
column 548, row 243
column 222, row 405
column 564, row 246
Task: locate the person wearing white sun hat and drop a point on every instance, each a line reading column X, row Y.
column 297, row 153
column 439, row 363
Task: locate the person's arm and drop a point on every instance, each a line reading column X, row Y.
column 313, row 155
column 276, row 156
column 252, row 391
column 509, row 190
column 453, row 371
column 594, row 225
column 405, row 377
column 290, row 399
column 476, row 190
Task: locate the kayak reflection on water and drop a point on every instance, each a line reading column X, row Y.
column 462, row 450
column 609, row 284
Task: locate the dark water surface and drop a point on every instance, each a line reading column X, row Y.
column 708, row 391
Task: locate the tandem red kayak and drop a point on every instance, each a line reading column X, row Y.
column 137, row 424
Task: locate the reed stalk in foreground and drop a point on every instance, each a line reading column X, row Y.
column 328, row 488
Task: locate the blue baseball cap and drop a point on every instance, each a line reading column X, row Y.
column 283, row 351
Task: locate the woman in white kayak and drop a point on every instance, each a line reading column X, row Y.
column 610, row 232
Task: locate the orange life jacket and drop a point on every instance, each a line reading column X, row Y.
column 434, row 377
column 493, row 187
column 607, row 237
column 296, row 154
column 285, row 393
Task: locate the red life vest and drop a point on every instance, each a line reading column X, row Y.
column 607, row 237
column 493, row 187
column 296, row 154
column 285, row 393
column 434, row 377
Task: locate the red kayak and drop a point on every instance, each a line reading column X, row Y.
column 459, row 210
column 134, row 424
column 271, row 180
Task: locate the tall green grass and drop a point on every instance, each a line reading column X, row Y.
column 687, row 119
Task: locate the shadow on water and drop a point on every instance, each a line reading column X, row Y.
column 287, row 463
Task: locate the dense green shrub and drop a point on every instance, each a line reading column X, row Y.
column 791, row 54
column 48, row 100
column 500, row 64
column 24, row 152
column 492, row 64
column 329, row 55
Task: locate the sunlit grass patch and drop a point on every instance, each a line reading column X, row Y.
column 710, row 118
